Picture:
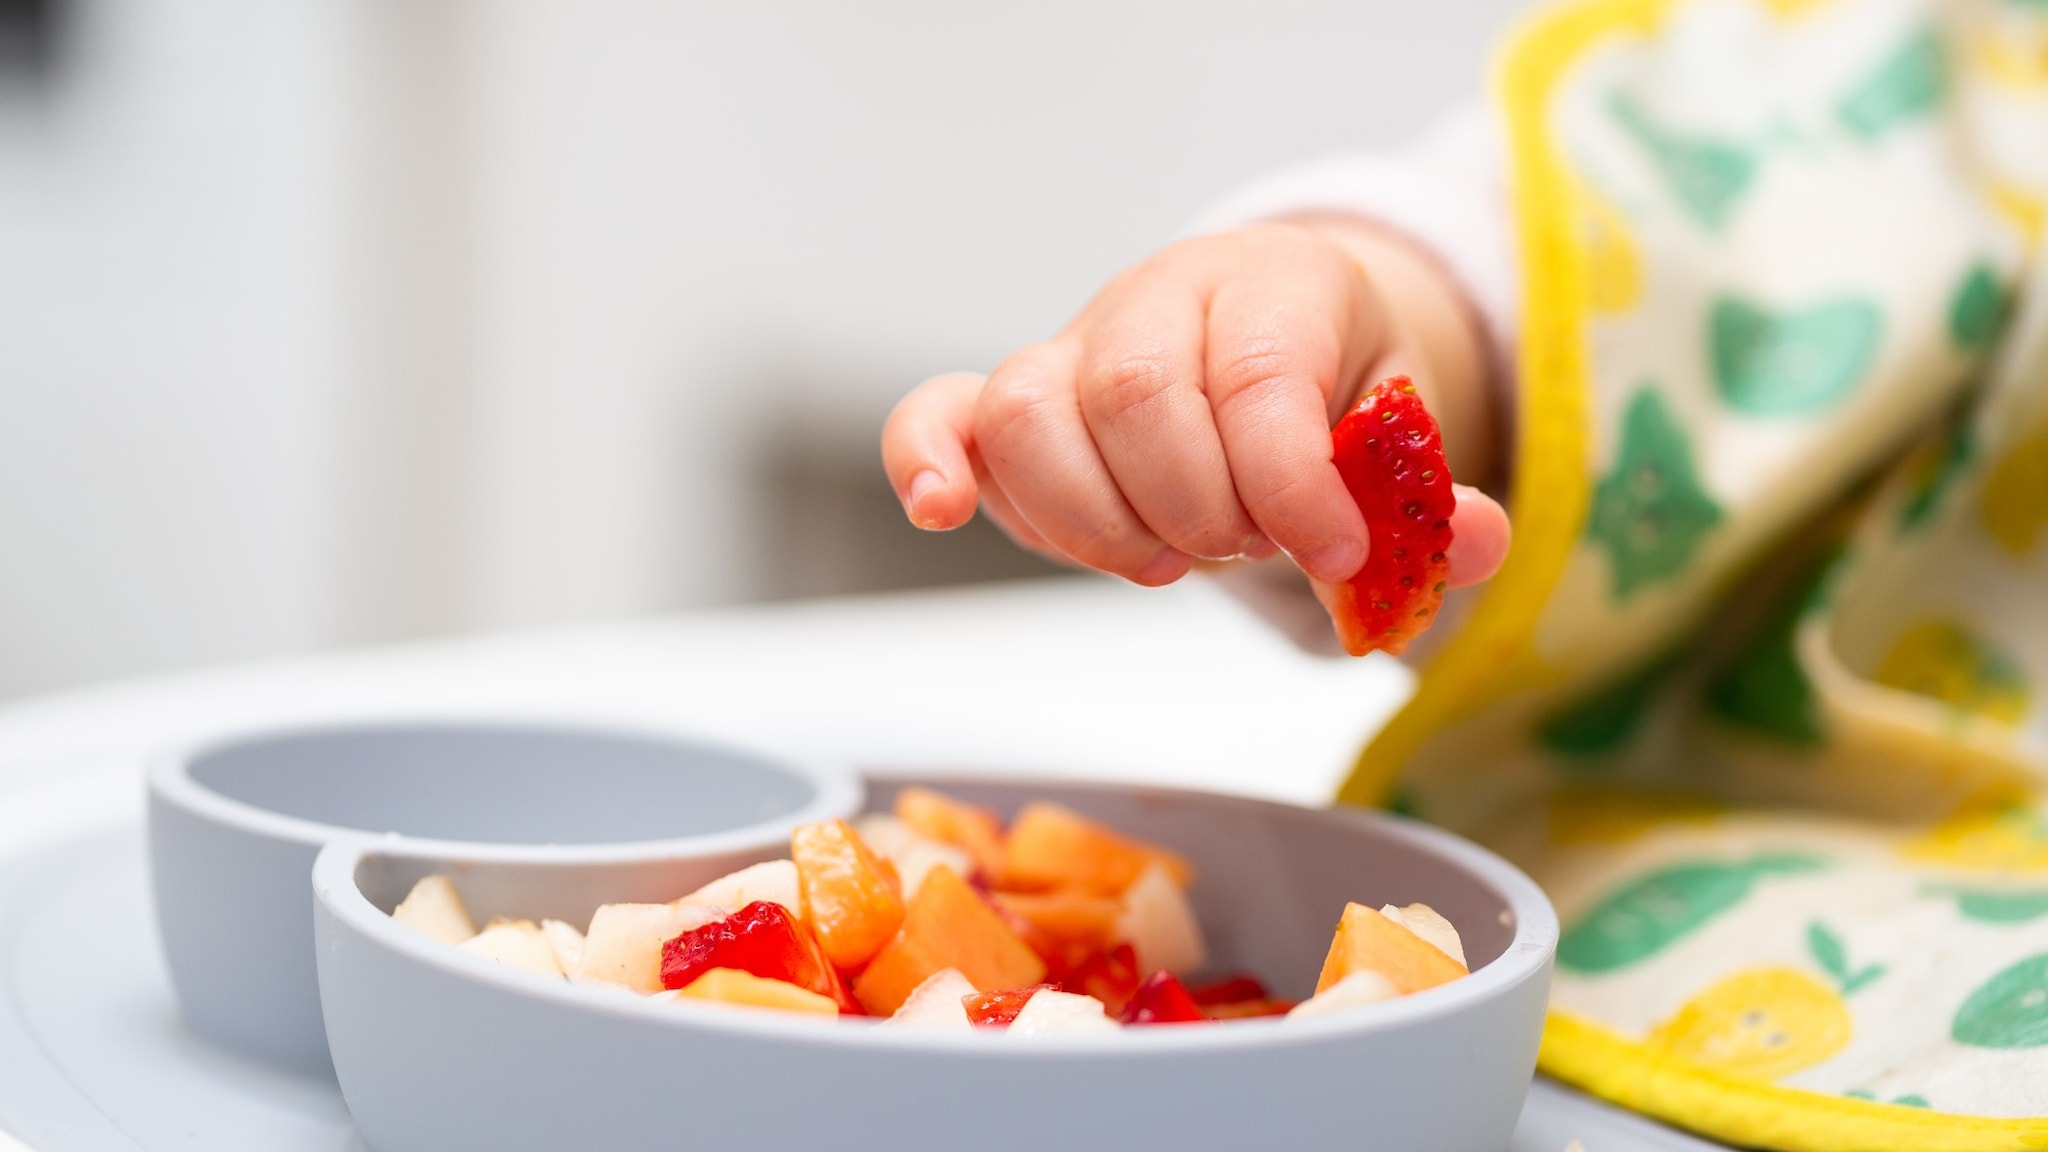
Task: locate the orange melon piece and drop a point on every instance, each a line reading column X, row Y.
column 732, row 986
column 1052, row 847
column 1069, row 917
column 851, row 897
column 976, row 830
column 1367, row 941
column 948, row 925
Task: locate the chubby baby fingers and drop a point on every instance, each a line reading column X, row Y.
column 927, row 450
column 1033, row 441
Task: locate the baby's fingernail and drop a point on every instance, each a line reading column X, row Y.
column 922, row 485
column 1170, row 565
column 1336, row 561
column 1261, row 549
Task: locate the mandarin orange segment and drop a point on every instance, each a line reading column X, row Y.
column 1052, row 847
column 977, row 830
column 851, row 898
column 1066, row 919
column 1368, row 941
column 948, row 925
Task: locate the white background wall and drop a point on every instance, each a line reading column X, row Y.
column 339, row 320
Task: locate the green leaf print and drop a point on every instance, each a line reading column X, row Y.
column 1609, row 716
column 1705, row 176
column 1652, row 912
column 1910, row 1100
column 1995, row 905
column 1650, row 512
column 1908, row 83
column 1790, row 363
column 2009, row 1011
column 1977, row 311
column 1933, row 468
column 1763, row 688
column 1833, row 958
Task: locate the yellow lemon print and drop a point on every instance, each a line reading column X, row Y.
column 1792, row 9
column 1943, row 660
column 2026, row 212
column 2014, row 63
column 1614, row 264
column 2015, row 498
column 1764, row 1024
column 2006, row 838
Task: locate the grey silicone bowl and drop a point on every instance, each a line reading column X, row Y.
column 234, row 826
column 437, row 1050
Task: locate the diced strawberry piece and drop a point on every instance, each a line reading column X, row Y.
column 1110, row 976
column 998, row 1009
column 1247, row 1009
column 762, row 939
column 1391, row 455
column 1161, row 999
column 1231, row 990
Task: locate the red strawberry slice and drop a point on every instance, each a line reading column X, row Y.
column 1391, row 455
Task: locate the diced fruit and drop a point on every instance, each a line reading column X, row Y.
column 1161, row 999
column 566, row 942
column 852, row 903
column 1066, row 919
column 1111, row 976
column 1354, row 991
column 977, row 830
column 1230, row 990
column 948, row 925
column 1054, row 847
column 938, row 1005
column 515, row 944
column 624, row 943
column 773, row 881
column 1160, row 923
column 1367, row 941
column 763, row 939
column 1391, row 456
column 1247, row 1009
column 1425, row 922
column 732, row 986
column 996, row 1009
column 435, row 908
column 1060, row 1013
column 912, row 852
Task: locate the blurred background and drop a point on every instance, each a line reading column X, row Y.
column 334, row 321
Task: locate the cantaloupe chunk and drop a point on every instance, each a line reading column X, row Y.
column 732, row 986
column 852, row 899
column 1429, row 924
column 948, row 925
column 1054, row 847
column 1072, row 917
column 1367, row 941
column 977, row 830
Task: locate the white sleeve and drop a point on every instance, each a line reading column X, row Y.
column 1448, row 193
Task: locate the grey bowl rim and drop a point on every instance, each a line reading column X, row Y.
column 1528, row 956
column 838, row 791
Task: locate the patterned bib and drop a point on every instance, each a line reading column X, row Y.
column 1761, row 696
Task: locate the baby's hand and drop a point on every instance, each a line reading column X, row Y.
column 1186, row 413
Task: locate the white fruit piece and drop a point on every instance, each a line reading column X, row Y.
column 913, row 853
column 773, row 881
column 1061, row 1014
column 565, row 940
column 623, row 945
column 515, row 944
column 435, row 908
column 1160, row 924
column 1354, row 991
column 937, row 1005
column 1427, row 923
